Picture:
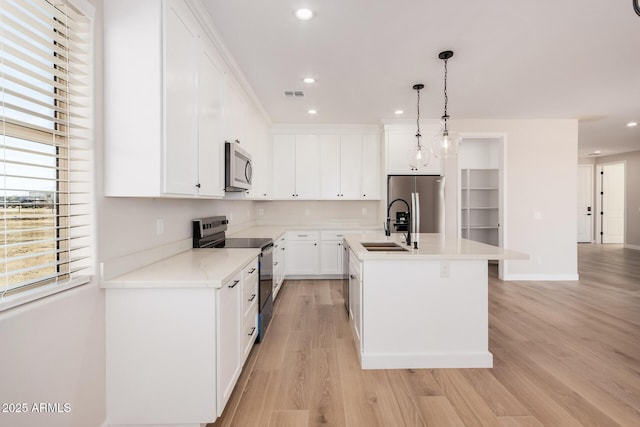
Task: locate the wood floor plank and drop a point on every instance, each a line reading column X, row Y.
column 470, row 407
column 438, row 412
column 565, row 354
column 289, row 419
column 527, row 421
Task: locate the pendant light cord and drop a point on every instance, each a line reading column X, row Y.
column 445, row 118
column 418, row 120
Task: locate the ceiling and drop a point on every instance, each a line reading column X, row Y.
column 513, row 60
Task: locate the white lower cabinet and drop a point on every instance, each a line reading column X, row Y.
column 316, row 253
column 331, row 253
column 355, row 300
column 279, row 263
column 303, row 253
column 228, row 320
column 174, row 354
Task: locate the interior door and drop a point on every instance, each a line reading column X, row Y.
column 612, row 217
column 585, row 203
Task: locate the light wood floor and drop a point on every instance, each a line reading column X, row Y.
column 565, row 354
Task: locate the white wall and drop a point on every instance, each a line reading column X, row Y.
column 541, row 174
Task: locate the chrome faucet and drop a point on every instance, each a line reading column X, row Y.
column 387, row 229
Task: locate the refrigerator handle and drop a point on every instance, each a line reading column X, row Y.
column 415, row 215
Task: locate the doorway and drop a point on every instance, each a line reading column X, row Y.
column 585, row 205
column 611, row 202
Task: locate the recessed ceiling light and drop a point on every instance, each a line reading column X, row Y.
column 309, row 80
column 398, row 112
column 304, row 14
column 632, row 124
column 312, row 111
column 597, row 152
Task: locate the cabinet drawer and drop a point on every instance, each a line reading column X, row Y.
column 249, row 330
column 303, row 235
column 249, row 296
column 250, row 271
column 336, row 234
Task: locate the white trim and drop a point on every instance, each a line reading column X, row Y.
column 592, row 232
column 480, row 359
column 541, row 277
column 630, row 246
column 35, row 294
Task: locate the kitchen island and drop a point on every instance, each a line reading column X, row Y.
column 420, row 308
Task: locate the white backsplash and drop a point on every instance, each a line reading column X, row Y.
column 326, row 212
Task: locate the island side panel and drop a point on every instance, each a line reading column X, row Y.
column 425, row 314
column 161, row 355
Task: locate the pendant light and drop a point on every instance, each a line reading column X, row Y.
column 419, row 156
column 445, row 142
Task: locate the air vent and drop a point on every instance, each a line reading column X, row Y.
column 294, row 93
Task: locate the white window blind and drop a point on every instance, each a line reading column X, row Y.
column 46, row 141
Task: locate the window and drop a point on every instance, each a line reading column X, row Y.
column 46, row 151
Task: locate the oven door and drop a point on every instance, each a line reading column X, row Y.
column 238, row 169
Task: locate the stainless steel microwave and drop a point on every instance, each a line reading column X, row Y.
column 238, row 171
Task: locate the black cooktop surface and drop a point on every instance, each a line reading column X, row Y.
column 246, row 242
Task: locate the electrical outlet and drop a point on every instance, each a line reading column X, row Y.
column 445, row 269
column 159, row 226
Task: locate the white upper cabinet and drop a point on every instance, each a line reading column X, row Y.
column 170, row 102
column 259, row 145
column 181, row 100
column 399, row 142
column 296, row 167
column 345, row 166
column 210, row 108
column 371, row 172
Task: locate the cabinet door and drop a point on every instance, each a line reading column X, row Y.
column 284, row 172
column 350, row 166
column 181, row 125
column 229, row 319
column 307, row 167
column 210, row 142
column 303, row 257
column 330, row 167
column 371, row 173
column 260, row 149
column 235, row 113
column 331, row 254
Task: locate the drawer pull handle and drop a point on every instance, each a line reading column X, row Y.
column 351, row 276
column 252, row 270
column 253, row 296
column 252, row 331
column 303, row 235
column 235, row 282
column 275, row 263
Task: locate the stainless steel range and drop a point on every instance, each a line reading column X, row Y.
column 211, row 233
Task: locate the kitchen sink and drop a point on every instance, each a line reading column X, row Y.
column 383, row 247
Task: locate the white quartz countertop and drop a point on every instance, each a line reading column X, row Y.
column 431, row 246
column 194, row 268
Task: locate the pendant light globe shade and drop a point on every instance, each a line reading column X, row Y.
column 446, row 144
column 419, row 156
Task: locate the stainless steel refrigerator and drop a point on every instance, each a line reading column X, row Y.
column 427, row 206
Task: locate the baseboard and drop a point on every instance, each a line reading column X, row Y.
column 443, row 360
column 541, row 277
column 630, row 246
